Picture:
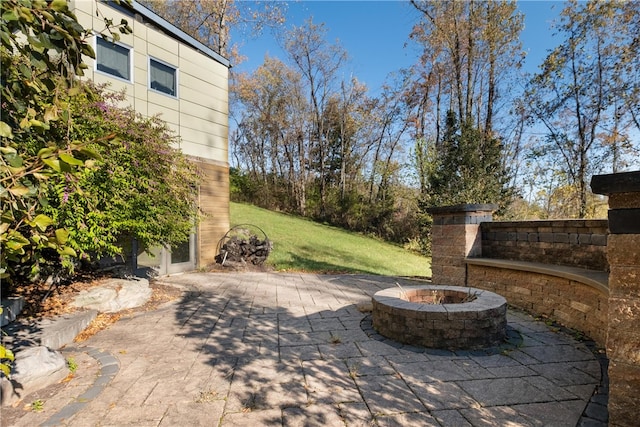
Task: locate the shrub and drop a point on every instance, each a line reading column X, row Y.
column 79, row 176
column 143, row 188
column 42, row 46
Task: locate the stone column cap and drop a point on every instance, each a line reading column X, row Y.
column 624, row 182
column 461, row 208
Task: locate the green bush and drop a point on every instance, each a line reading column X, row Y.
column 144, row 188
column 79, row 176
column 41, row 50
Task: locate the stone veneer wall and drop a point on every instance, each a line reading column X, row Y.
column 574, row 304
column 455, row 236
column 623, row 332
column 214, row 204
column 579, row 243
column 611, row 314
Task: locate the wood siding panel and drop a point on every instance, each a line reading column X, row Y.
column 214, row 86
column 209, row 114
column 141, row 96
column 164, row 47
column 140, row 79
column 140, row 62
column 169, row 115
column 208, row 126
column 205, row 150
column 214, row 138
column 140, row 41
column 164, row 101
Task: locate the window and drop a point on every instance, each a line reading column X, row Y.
column 114, row 59
column 163, row 77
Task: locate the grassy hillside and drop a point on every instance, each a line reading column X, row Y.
column 303, row 245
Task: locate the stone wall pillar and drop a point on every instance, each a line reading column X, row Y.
column 455, row 235
column 623, row 332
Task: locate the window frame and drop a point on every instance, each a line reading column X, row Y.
column 176, row 74
column 129, row 59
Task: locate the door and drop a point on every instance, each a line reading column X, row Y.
column 162, row 261
column 182, row 258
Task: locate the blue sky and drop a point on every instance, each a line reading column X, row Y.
column 376, row 35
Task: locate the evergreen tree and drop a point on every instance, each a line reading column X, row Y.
column 468, row 167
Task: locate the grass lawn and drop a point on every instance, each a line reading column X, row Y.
column 303, row 245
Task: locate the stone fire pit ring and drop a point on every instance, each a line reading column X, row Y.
column 410, row 316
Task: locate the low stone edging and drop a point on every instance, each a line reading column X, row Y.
column 37, row 342
column 11, row 308
column 109, row 367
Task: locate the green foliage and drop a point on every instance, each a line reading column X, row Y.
column 37, row 405
column 42, row 48
column 143, row 188
column 72, row 365
column 79, row 176
column 241, row 187
column 467, row 168
column 6, row 358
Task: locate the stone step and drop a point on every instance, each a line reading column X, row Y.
column 51, row 332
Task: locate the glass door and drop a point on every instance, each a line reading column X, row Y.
column 162, row 261
column 182, row 257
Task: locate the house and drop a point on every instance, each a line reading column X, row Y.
column 165, row 71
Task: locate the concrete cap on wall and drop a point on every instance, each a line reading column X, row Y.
column 624, row 182
column 478, row 207
column 623, row 190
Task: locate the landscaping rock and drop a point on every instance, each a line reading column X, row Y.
column 34, row 368
column 115, row 295
column 36, row 365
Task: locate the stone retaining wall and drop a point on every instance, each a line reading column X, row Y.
column 454, row 236
column 574, row 304
column 608, row 313
column 579, row 243
column 623, row 334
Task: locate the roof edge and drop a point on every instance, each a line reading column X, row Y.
column 172, row 30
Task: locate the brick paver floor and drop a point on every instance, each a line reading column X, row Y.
column 267, row 349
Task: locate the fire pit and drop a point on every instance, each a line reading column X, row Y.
column 447, row 317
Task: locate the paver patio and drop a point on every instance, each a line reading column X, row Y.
column 254, row 349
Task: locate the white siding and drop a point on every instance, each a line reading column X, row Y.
column 200, row 114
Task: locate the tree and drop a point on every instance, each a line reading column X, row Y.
column 210, row 21
column 469, row 51
column 311, row 142
column 270, row 135
column 586, row 94
column 76, row 172
column 42, row 49
column 318, row 62
column 467, row 168
column 143, row 188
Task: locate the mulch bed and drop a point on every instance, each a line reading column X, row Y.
column 43, row 300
